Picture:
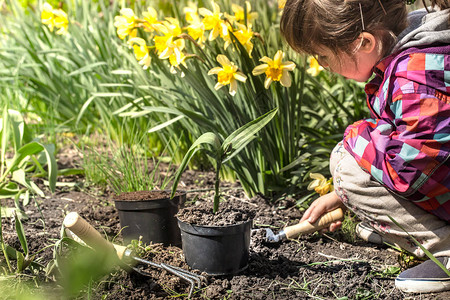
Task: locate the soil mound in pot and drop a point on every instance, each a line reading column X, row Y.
column 142, row 195
column 231, row 211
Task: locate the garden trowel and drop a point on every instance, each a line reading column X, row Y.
column 304, row 227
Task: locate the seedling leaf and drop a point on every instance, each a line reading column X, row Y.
column 427, row 253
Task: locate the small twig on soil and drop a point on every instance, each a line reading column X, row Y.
column 339, row 258
column 331, row 238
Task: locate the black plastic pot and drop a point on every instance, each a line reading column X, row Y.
column 154, row 220
column 216, row 250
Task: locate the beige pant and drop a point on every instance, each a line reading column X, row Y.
column 372, row 203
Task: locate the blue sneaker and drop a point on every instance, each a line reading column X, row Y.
column 427, row 277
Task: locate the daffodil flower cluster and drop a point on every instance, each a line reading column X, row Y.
column 320, row 184
column 54, row 18
column 167, row 38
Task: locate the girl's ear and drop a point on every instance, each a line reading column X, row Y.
column 367, row 42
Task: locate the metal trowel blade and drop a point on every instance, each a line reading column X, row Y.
column 274, row 238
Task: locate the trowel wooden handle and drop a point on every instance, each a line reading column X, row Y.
column 305, row 227
column 83, row 230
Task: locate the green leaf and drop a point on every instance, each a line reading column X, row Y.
column 70, row 171
column 427, row 253
column 19, row 176
column 32, row 149
column 83, row 109
column 165, row 124
column 208, row 138
column 245, row 134
column 9, row 212
column 21, row 235
column 297, row 161
column 18, row 127
column 11, row 252
column 20, row 261
column 51, row 166
column 87, row 68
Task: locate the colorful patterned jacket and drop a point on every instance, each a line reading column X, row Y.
column 405, row 145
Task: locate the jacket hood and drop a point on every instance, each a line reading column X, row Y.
column 425, row 29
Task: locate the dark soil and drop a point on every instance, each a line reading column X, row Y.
column 231, row 211
column 143, row 195
column 313, row 266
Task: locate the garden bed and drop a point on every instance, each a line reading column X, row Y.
column 314, row 266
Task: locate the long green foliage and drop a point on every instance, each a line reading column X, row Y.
column 312, row 112
column 75, row 80
column 127, row 168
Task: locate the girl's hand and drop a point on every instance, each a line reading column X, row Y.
column 321, row 206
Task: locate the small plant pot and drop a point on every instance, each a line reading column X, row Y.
column 216, row 250
column 150, row 215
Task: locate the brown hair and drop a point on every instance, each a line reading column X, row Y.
column 442, row 4
column 336, row 24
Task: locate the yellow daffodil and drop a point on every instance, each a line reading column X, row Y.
column 226, row 35
column 197, row 32
column 239, row 13
column 196, row 29
column 314, row 67
column 191, row 13
column 175, row 60
column 275, row 70
column 168, row 43
column 54, row 18
column 150, row 19
column 60, row 21
column 213, row 21
column 227, row 74
column 47, row 15
column 126, row 23
column 244, row 36
column 281, row 4
column 140, row 51
column 320, row 184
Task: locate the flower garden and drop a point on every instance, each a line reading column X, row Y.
column 105, row 99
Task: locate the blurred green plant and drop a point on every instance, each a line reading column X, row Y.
column 21, row 158
column 223, row 151
column 78, row 267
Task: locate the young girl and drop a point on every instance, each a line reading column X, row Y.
column 397, row 163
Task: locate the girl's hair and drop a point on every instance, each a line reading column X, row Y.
column 442, row 4
column 336, row 24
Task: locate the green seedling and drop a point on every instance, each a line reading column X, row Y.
column 223, row 151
